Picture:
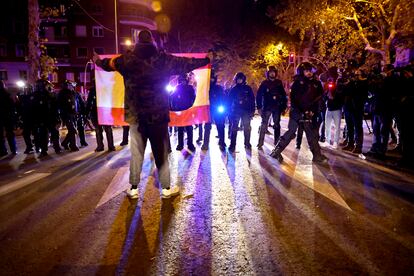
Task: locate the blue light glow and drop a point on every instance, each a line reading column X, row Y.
column 220, row 109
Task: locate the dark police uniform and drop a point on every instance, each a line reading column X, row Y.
column 218, row 111
column 271, row 100
column 242, row 106
column 305, row 97
column 92, row 111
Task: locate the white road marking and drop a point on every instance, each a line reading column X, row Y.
column 119, row 183
column 29, row 171
column 22, row 182
column 311, row 177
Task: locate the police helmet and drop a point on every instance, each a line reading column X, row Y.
column 67, row 84
column 271, row 69
column 182, row 78
column 239, row 75
column 300, row 70
column 43, row 85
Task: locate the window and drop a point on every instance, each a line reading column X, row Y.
column 3, row 49
column 60, row 32
column 23, row 74
column 97, row 9
column 80, row 30
column 53, row 77
column 20, row 50
column 70, row 76
column 82, row 52
column 52, row 51
column 99, row 50
column 3, row 75
column 97, row 31
column 83, row 75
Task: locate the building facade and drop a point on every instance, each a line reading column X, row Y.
column 71, row 32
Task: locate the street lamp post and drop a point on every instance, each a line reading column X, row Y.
column 116, row 28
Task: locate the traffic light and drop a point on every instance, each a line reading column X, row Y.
column 291, row 58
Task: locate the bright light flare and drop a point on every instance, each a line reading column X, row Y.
column 220, row 109
column 128, row 42
column 170, row 88
column 20, row 84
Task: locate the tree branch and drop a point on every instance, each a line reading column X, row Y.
column 368, row 46
column 393, row 31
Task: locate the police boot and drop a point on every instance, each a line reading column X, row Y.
column 277, row 154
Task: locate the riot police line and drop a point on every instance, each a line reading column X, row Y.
column 379, row 99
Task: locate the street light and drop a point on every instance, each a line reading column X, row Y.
column 21, row 84
column 128, row 42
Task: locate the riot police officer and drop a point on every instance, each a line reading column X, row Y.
column 92, row 111
column 218, row 110
column 7, row 120
column 69, row 106
column 46, row 116
column 271, row 100
column 242, row 106
column 25, row 105
column 306, row 94
column 184, row 88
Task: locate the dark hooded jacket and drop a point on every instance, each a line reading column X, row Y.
column 146, row 72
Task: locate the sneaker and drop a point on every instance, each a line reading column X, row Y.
column 132, row 193
column 191, row 148
column 222, row 147
column 123, row 143
column 298, row 147
column 98, row 149
column 167, row 193
column 199, row 140
column 204, row 147
column 43, row 154
column 179, row 147
column 84, row 144
column 259, row 147
column 232, row 149
column 324, row 144
column 248, row 147
column 112, row 149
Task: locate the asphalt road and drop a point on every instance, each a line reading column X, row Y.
column 240, row 214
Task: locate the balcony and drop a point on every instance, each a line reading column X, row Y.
column 145, row 3
column 132, row 20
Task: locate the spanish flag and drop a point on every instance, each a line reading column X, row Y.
column 110, row 93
